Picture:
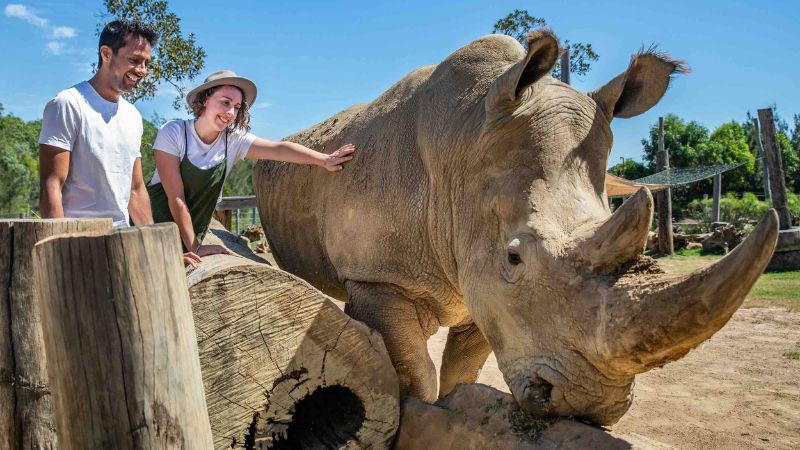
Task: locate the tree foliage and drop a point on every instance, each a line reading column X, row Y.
column 630, row 170
column 19, row 165
column 690, row 144
column 519, row 23
column 176, row 59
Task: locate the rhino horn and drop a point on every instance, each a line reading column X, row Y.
column 664, row 320
column 620, row 238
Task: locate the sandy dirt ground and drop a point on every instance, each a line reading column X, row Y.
column 736, row 391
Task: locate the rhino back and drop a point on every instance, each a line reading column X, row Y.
column 372, row 222
column 356, row 224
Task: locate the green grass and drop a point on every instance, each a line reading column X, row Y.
column 792, row 355
column 778, row 289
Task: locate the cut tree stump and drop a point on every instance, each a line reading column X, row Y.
column 283, row 367
column 121, row 347
column 26, row 411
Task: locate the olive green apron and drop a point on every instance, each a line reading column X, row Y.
column 201, row 189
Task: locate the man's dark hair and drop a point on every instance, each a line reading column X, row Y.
column 116, row 34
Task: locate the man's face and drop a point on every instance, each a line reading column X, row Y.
column 129, row 65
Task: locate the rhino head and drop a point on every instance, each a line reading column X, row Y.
column 556, row 283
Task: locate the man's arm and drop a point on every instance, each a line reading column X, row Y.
column 53, row 170
column 139, row 204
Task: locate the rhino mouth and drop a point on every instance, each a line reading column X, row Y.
column 533, row 395
column 547, row 387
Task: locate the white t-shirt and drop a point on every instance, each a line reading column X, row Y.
column 170, row 139
column 104, row 139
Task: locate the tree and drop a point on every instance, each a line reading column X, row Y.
column 629, row 169
column 19, row 165
column 690, row 145
column 791, row 162
column 519, row 23
column 728, row 145
column 148, row 159
column 684, row 142
column 175, row 59
column 793, row 177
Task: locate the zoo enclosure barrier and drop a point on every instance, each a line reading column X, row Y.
column 229, row 212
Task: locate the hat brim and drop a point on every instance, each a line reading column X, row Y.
column 247, row 87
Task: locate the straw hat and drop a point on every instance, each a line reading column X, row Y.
column 224, row 77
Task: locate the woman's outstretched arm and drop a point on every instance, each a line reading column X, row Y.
column 299, row 154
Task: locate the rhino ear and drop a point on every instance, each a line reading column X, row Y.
column 542, row 54
column 641, row 86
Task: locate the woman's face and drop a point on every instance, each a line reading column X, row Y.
column 222, row 107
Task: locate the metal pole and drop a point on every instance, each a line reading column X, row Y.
column 665, row 242
column 765, row 169
column 237, row 222
column 565, row 66
column 717, row 196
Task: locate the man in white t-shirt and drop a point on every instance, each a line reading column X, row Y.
column 89, row 158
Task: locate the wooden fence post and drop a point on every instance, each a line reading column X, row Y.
column 764, row 166
column 777, row 181
column 565, row 66
column 121, row 345
column 664, row 198
column 26, row 411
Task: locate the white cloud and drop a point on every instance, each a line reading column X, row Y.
column 55, row 47
column 63, row 32
column 22, row 12
column 262, row 105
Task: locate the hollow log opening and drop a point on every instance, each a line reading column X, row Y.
column 327, row 418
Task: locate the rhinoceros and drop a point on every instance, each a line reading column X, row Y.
column 476, row 201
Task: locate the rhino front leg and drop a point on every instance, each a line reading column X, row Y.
column 405, row 330
column 464, row 354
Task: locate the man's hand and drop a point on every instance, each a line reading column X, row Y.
column 335, row 161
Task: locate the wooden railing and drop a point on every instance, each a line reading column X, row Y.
column 229, row 208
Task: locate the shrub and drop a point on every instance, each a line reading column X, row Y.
column 742, row 212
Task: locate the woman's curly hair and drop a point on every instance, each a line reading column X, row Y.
column 242, row 120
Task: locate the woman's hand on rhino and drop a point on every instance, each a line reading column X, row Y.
column 336, row 160
column 191, row 259
column 213, row 249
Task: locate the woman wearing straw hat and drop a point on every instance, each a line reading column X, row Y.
column 194, row 156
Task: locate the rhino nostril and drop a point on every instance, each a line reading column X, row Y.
column 538, row 392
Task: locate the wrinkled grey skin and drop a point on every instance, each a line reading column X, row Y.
column 476, row 201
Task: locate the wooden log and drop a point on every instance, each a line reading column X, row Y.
column 120, row 341
column 565, row 69
column 283, row 366
column 26, row 414
column 7, row 401
column 777, row 180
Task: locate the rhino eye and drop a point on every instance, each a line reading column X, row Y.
column 514, row 258
column 512, row 251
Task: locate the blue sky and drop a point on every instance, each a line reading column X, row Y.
column 311, row 59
